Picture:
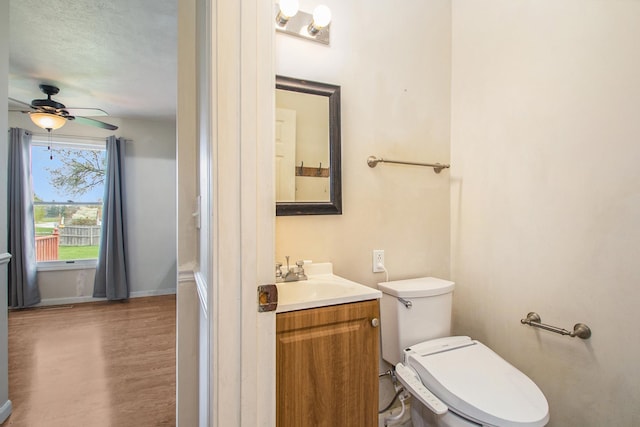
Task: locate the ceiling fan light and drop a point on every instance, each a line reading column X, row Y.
column 47, row 121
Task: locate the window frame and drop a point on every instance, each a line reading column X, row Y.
column 77, row 143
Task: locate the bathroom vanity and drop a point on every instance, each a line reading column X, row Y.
column 327, row 353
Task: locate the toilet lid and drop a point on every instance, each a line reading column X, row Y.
column 478, row 384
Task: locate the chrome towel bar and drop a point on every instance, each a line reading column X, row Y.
column 373, row 161
column 580, row 330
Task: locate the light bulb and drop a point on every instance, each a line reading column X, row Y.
column 289, row 8
column 321, row 16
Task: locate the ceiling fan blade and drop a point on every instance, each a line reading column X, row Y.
column 92, row 122
column 16, row 101
column 93, row 112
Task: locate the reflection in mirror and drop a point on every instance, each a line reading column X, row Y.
column 302, row 147
column 307, row 148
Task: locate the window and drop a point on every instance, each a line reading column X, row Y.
column 68, row 187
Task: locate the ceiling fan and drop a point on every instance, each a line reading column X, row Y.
column 50, row 115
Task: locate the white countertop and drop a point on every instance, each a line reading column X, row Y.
column 322, row 288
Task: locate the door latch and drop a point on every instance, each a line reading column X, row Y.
column 267, row 298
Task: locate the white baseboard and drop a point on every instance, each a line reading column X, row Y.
column 82, row 299
column 5, row 411
column 153, row 293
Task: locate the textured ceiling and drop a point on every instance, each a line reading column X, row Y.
column 117, row 55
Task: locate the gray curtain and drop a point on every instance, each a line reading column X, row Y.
column 23, row 290
column 111, row 273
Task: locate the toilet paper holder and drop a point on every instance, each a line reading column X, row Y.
column 580, row 330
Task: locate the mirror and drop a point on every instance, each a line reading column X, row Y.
column 308, row 174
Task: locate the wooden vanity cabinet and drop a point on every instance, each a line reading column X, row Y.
column 327, row 366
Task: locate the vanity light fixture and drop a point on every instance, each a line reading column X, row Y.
column 290, row 20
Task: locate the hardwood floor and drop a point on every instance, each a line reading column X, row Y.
column 94, row 365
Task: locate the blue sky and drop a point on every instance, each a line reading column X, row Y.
column 40, row 162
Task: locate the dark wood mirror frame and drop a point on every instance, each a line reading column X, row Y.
column 334, row 205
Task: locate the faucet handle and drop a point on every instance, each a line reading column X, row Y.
column 300, row 272
column 278, row 269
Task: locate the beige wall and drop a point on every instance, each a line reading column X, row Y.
column 395, row 103
column 546, row 195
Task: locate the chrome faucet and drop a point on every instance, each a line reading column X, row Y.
column 292, row 274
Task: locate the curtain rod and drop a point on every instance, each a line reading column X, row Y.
column 76, row 137
column 59, row 138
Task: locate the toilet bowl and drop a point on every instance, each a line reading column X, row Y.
column 455, row 381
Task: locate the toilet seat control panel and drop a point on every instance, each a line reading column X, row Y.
column 410, row 379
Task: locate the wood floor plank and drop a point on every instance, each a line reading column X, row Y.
column 96, row 365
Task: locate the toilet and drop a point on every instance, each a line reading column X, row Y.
column 454, row 381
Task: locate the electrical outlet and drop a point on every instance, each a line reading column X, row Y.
column 378, row 260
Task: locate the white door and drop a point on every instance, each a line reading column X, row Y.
column 239, row 174
column 285, row 155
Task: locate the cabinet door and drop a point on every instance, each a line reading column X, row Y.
column 327, row 366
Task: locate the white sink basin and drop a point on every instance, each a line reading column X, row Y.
column 321, row 290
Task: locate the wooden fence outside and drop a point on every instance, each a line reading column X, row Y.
column 80, row 235
column 47, row 247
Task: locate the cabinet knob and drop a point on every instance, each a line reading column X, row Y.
column 375, row 322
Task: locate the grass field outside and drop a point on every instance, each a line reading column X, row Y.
column 77, row 252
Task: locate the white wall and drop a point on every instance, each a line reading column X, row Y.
column 151, row 201
column 546, row 195
column 394, row 71
column 4, row 93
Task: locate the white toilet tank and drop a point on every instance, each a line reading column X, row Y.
column 413, row 311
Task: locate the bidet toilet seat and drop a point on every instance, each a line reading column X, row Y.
column 477, row 384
